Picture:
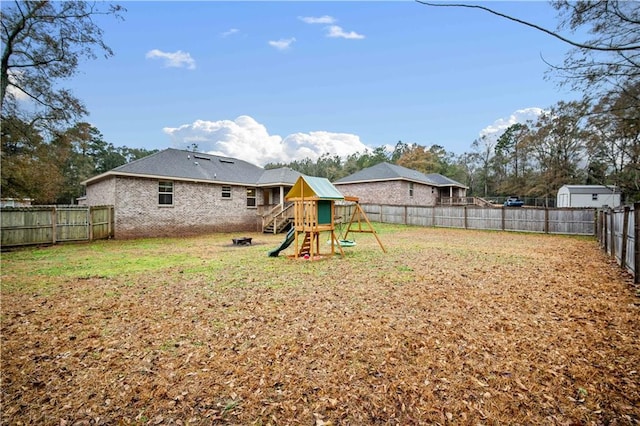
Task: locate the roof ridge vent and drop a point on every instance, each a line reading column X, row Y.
column 201, row 157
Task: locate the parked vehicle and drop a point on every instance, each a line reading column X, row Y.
column 513, row 202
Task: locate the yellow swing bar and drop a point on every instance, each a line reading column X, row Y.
column 357, row 217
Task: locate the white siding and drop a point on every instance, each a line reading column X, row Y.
column 584, row 197
column 564, row 198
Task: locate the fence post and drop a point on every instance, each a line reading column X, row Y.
column 599, row 226
column 625, row 235
column 466, row 224
column 612, row 228
column 54, row 224
column 90, row 222
column 112, row 220
column 636, row 242
column 546, row 220
column 605, row 230
column 502, row 218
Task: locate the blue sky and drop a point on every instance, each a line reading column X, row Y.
column 280, row 81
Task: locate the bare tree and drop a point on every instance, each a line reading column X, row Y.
column 43, row 43
column 614, row 146
column 583, row 12
column 557, row 142
column 609, row 60
column 483, row 150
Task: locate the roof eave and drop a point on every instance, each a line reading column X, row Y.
column 438, row 185
column 161, row 177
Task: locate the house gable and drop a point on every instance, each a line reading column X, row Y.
column 176, row 192
column 387, row 171
column 392, row 184
column 190, row 166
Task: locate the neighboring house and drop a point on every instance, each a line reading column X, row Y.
column 588, row 196
column 15, row 202
column 175, row 192
column 387, row 183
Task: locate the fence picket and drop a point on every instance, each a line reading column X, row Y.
column 22, row 226
column 618, row 237
column 538, row 219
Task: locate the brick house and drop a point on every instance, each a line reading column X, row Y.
column 387, row 183
column 176, row 192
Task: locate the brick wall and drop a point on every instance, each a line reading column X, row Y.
column 102, row 193
column 198, row 208
column 394, row 192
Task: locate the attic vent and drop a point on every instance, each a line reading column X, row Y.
column 222, row 160
column 202, row 158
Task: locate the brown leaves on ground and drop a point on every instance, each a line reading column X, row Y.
column 448, row 327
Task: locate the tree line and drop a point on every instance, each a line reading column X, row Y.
column 47, row 148
column 51, row 171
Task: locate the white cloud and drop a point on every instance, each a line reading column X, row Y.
column 326, row 19
column 298, row 146
column 520, row 116
column 337, row 32
column 14, row 78
column 246, row 139
column 282, row 44
column 177, row 59
column 230, row 32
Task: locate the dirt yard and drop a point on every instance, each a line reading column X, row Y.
column 447, row 327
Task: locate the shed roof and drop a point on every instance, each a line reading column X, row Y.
column 309, row 187
column 591, row 189
column 387, row 171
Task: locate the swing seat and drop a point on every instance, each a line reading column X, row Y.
column 344, row 243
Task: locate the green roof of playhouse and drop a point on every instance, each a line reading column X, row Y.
column 314, row 187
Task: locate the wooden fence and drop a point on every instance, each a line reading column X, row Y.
column 617, row 233
column 524, row 219
column 52, row 224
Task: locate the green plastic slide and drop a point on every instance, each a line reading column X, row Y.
column 291, row 235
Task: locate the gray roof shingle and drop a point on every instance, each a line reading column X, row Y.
column 388, row 171
column 282, row 175
column 178, row 164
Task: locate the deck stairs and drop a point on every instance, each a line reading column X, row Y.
column 482, row 202
column 278, row 219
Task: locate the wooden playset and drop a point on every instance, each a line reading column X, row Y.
column 314, row 213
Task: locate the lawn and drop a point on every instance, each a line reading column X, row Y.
column 448, row 327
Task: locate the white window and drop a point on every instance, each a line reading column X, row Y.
column 165, row 193
column 251, row 197
column 594, row 197
column 226, row 192
column 410, row 189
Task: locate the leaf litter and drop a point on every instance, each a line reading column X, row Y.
column 448, row 327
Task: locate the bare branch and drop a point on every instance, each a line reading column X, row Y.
column 537, row 27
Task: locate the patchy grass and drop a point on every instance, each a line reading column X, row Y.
column 447, row 327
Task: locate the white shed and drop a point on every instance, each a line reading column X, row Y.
column 588, row 196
